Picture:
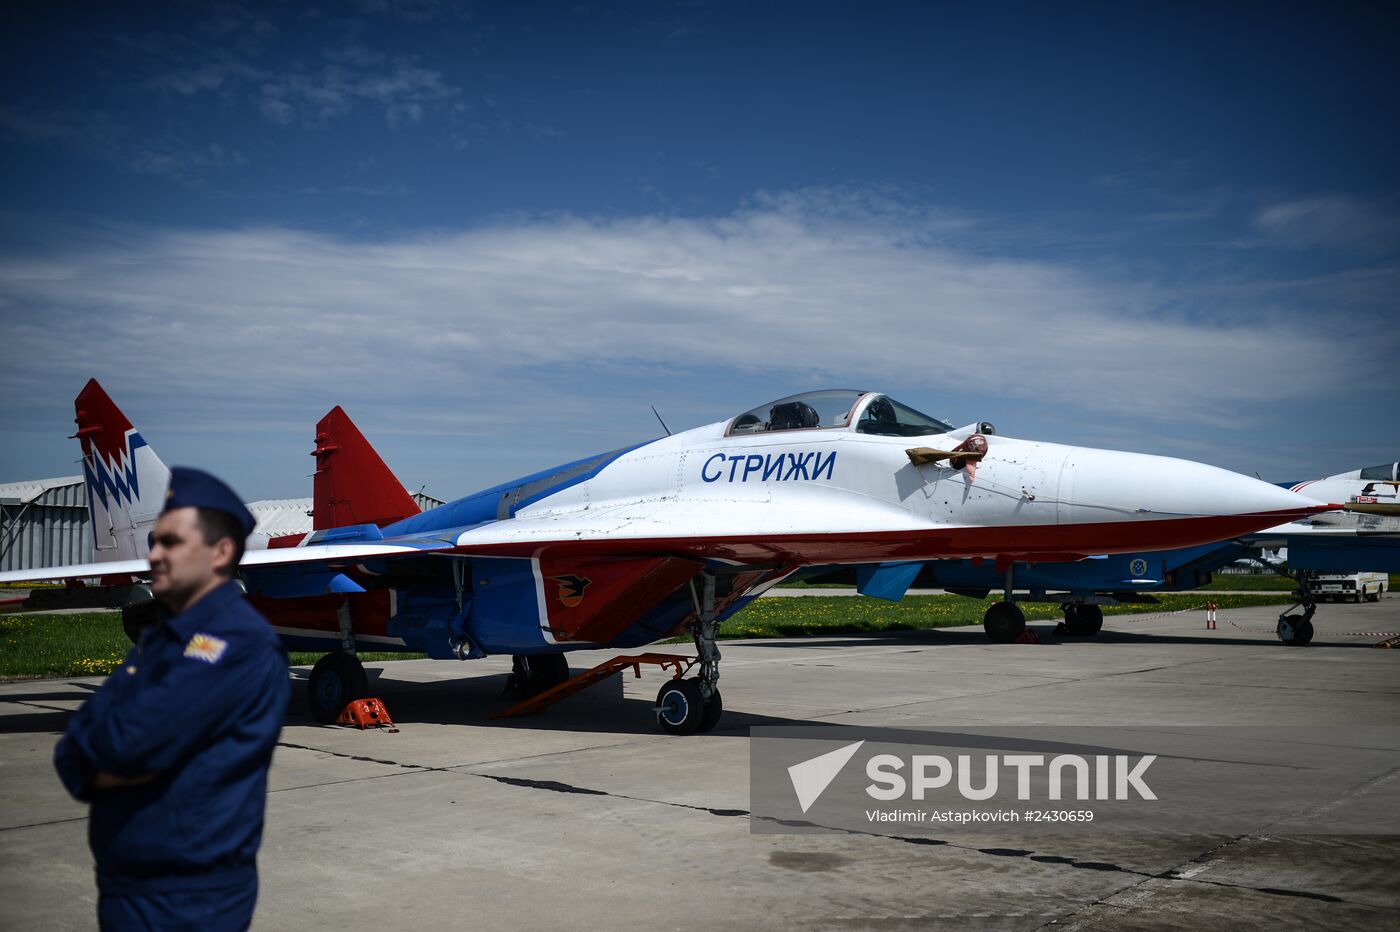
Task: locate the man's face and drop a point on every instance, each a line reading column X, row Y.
column 183, row 566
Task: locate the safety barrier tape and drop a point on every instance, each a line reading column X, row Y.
column 1202, row 608
column 1359, row 634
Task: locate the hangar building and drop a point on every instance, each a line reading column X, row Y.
column 45, row 522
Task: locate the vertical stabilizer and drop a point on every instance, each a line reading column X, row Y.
column 125, row 479
column 352, row 484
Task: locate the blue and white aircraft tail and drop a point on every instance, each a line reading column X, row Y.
column 125, row 479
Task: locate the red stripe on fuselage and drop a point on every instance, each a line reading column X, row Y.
column 1032, row 543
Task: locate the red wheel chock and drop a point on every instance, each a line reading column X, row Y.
column 366, row 713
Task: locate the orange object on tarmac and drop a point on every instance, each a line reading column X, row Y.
column 366, row 713
column 1026, row 637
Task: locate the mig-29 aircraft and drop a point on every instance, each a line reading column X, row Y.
column 673, row 535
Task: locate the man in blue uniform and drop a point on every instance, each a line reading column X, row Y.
column 172, row 752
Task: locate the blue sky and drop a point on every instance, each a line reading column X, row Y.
column 497, row 233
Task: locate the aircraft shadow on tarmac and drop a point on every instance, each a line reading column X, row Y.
column 472, row 700
column 40, row 720
column 33, row 723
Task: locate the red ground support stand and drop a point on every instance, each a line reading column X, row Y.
column 366, row 713
column 596, row 675
column 1026, row 637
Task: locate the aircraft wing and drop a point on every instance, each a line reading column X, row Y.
column 327, row 556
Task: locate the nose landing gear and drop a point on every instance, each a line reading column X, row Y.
column 686, row 706
column 1296, row 630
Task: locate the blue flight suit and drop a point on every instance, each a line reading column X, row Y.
column 200, row 701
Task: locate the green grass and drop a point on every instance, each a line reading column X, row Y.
column 93, row 643
column 810, row 616
column 86, row 644
column 307, row 658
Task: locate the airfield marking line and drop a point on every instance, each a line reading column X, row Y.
column 12, row 828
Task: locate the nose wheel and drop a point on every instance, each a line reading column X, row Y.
column 687, row 706
column 1297, row 630
column 681, row 709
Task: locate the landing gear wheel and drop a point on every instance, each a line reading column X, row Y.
column 679, row 707
column 1083, row 621
column 337, row 680
column 532, row 674
column 1300, row 628
column 1004, row 622
column 137, row 618
column 714, row 709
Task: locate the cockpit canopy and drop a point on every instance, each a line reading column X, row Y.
column 864, row 412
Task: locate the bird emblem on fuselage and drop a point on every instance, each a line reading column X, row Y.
column 571, row 589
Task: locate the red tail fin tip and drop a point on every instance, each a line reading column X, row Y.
column 352, row 484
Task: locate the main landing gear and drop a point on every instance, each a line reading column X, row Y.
column 338, row 678
column 1083, row 620
column 1004, row 622
column 687, row 706
column 531, row 675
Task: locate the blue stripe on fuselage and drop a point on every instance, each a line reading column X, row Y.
column 504, row 500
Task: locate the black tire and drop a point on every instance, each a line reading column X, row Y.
column 679, row 707
column 337, row 680
column 532, row 674
column 1302, row 631
column 137, row 618
column 714, row 711
column 1004, row 622
column 1084, row 622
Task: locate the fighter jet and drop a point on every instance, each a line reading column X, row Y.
column 677, row 534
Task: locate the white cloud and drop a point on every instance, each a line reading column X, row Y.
column 401, row 91
column 813, row 285
column 1335, row 222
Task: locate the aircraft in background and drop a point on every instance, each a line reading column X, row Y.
column 1364, row 536
column 676, row 534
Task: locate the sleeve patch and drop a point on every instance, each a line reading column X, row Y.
column 205, row 647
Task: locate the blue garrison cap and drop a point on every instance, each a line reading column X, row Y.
column 194, row 488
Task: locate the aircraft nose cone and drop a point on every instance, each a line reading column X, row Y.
column 1106, row 485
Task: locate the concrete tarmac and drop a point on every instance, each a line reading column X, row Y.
column 587, row 816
